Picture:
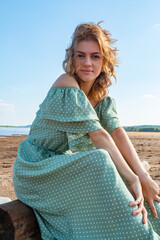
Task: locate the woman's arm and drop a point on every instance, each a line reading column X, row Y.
column 101, row 139
column 149, row 187
column 129, row 153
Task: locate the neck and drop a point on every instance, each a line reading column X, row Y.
column 86, row 87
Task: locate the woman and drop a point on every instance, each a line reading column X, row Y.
column 69, row 168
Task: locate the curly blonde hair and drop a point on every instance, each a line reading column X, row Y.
column 91, row 31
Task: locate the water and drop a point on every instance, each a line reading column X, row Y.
column 9, row 131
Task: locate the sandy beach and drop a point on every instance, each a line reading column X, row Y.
column 147, row 146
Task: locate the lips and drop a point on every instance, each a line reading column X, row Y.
column 86, row 71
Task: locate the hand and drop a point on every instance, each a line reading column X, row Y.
column 136, row 191
column 150, row 191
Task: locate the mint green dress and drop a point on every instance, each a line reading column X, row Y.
column 76, row 195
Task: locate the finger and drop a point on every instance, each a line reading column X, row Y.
column 139, row 199
column 139, row 209
column 157, row 198
column 144, row 212
column 153, row 209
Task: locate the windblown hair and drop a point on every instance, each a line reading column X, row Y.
column 95, row 32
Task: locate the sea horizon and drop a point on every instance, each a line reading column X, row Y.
column 10, row 131
column 24, row 130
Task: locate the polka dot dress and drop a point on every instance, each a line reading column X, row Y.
column 76, row 195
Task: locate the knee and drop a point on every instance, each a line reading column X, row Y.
column 101, row 154
column 101, row 159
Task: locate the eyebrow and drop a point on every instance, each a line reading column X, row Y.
column 91, row 53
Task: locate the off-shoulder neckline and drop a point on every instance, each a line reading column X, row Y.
column 80, row 91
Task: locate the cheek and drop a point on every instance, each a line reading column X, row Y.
column 77, row 65
column 99, row 66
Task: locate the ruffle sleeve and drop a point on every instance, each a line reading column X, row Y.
column 108, row 114
column 69, row 110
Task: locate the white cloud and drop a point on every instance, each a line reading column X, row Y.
column 157, row 25
column 6, row 108
column 147, row 96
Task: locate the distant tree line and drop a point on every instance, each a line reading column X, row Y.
column 149, row 129
column 142, row 129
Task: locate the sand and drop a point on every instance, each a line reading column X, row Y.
column 147, row 146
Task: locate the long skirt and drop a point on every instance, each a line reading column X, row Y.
column 80, row 196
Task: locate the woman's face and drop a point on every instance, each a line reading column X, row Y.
column 88, row 60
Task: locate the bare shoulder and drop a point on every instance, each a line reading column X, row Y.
column 65, row 80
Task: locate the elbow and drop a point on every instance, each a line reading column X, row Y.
column 96, row 135
column 118, row 132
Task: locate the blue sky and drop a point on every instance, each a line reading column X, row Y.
column 34, row 35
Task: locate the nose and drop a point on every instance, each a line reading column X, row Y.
column 87, row 61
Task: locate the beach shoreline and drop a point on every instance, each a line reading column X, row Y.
column 146, row 144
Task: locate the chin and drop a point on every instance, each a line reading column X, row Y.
column 86, row 78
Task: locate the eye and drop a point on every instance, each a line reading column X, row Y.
column 95, row 56
column 80, row 56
